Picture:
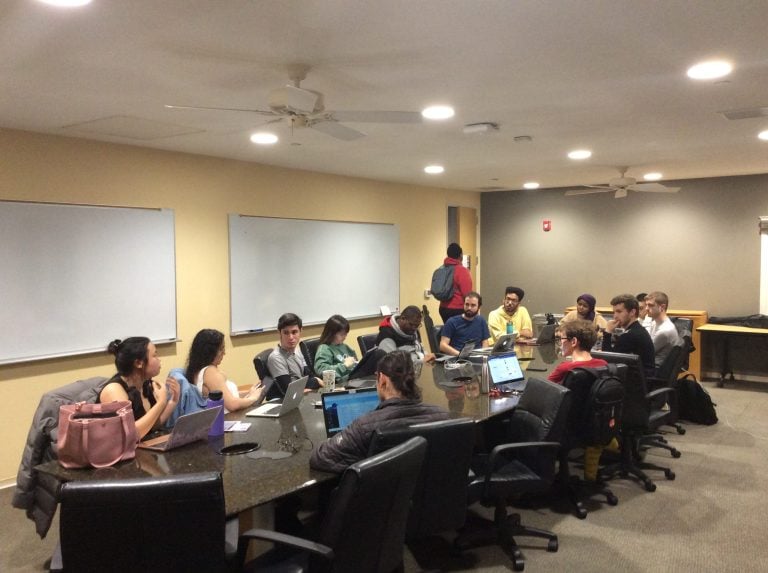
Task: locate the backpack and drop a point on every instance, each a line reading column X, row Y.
column 694, row 402
column 442, row 283
column 601, row 415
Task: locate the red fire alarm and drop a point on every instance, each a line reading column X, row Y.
column 547, row 225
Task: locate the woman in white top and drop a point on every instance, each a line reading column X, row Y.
column 205, row 355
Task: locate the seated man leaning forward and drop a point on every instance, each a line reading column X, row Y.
column 399, row 332
column 626, row 335
column 286, row 363
column 510, row 313
column 400, row 405
column 468, row 326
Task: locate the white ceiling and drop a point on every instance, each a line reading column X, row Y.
column 608, row 75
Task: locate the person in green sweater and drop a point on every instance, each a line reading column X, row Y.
column 333, row 354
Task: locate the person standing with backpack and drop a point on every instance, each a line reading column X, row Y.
column 451, row 303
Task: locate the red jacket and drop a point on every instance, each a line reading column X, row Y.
column 462, row 284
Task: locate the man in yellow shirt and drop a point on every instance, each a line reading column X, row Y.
column 510, row 312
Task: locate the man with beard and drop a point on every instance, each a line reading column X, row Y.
column 663, row 332
column 511, row 312
column 625, row 334
column 468, row 326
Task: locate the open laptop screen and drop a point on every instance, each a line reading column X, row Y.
column 341, row 408
column 504, row 368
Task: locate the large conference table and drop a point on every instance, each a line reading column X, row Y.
column 249, row 482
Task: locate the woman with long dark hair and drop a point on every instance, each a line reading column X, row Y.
column 137, row 364
column 333, row 354
column 205, row 356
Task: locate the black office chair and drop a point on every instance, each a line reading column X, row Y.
column 577, row 436
column 364, row 527
column 684, row 328
column 666, row 376
column 309, row 349
column 439, row 502
column 260, row 364
column 171, row 523
column 636, row 420
column 432, row 330
column 366, row 342
column 527, row 465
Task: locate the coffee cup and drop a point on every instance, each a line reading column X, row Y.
column 329, row 380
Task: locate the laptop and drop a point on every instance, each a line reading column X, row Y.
column 546, row 335
column 341, row 408
column 504, row 370
column 188, row 428
column 293, row 396
column 464, row 353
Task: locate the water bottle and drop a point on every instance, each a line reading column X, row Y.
column 216, row 398
column 510, row 327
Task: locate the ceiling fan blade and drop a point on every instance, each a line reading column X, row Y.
column 337, row 130
column 259, row 111
column 654, row 188
column 378, row 116
column 573, row 192
column 604, row 187
column 620, row 193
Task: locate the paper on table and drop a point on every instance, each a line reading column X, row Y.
column 236, row 426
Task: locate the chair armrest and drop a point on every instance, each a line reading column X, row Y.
column 495, row 453
column 285, row 539
column 659, row 391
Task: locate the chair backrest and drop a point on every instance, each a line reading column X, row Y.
column 309, row 349
column 636, row 408
column 684, row 328
column 673, row 364
column 541, row 416
column 260, row 364
column 439, row 501
column 432, row 330
column 366, row 342
column 171, row 523
column 365, row 523
column 584, row 413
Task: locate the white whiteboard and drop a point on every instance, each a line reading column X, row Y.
column 311, row 268
column 75, row 277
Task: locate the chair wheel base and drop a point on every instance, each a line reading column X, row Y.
column 676, row 453
column 552, row 545
column 669, row 474
column 649, row 486
column 612, row 500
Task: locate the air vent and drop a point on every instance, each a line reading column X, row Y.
column 746, row 113
column 493, row 188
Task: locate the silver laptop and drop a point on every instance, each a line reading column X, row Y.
column 293, row 396
column 546, row 335
column 188, row 428
column 464, row 353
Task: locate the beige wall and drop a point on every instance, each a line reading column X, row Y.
column 701, row 246
column 201, row 191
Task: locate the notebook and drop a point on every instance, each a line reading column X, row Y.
column 504, row 369
column 464, row 353
column 293, row 396
column 341, row 408
column 188, row 428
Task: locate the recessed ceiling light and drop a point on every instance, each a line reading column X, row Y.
column 710, row 70
column 437, row 112
column 531, row 185
column 655, row 176
column 580, row 154
column 66, row 3
column 434, row 169
column 763, row 135
column 264, row 138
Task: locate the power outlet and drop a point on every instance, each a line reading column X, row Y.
column 427, row 292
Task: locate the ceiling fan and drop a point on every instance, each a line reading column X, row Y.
column 301, row 107
column 621, row 185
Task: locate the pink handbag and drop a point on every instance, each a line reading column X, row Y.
column 96, row 435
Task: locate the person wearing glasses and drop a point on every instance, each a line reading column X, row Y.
column 577, row 337
column 400, row 332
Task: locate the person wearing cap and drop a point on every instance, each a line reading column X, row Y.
column 510, row 313
column 462, row 284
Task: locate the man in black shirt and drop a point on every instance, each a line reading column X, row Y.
column 625, row 334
